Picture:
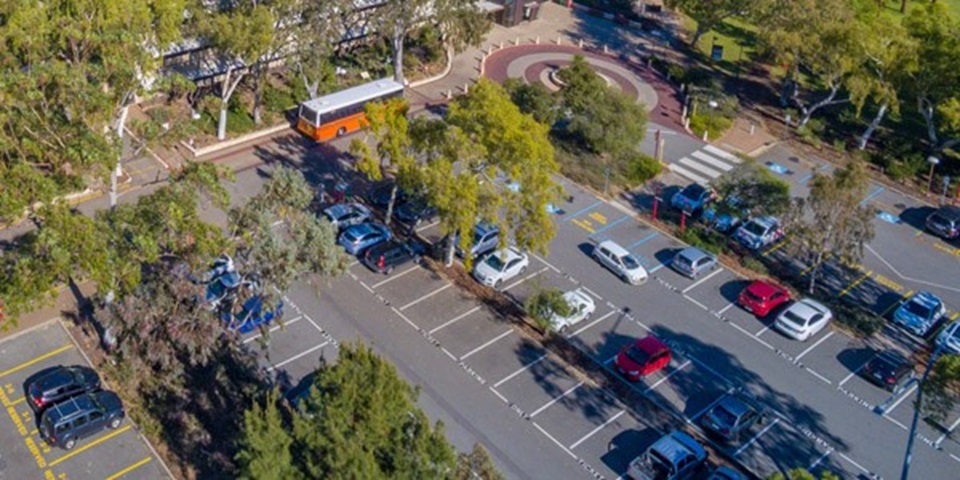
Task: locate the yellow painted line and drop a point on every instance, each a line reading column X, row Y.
column 129, row 469
column 954, row 316
column 17, row 401
column 584, row 225
column 896, row 304
column 34, row 431
column 36, row 360
column 854, row 284
column 806, row 270
column 919, row 232
column 776, row 247
column 89, row 446
column 599, row 217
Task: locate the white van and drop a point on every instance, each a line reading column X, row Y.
column 620, row 262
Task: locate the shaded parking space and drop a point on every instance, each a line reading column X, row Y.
column 293, row 349
column 110, row 454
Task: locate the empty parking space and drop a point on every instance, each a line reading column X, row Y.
column 534, row 387
column 442, row 310
column 472, row 334
column 836, row 357
column 574, row 418
column 539, row 277
column 412, row 289
column 617, row 444
column 107, row 454
column 296, row 349
column 776, row 442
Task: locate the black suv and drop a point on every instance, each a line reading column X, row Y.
column 945, row 222
column 889, row 370
column 383, row 258
column 70, row 420
column 412, row 214
column 59, row 383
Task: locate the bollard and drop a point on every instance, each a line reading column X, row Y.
column 660, row 149
column 559, row 40
column 683, row 221
column 751, row 128
column 480, row 67
column 580, row 44
column 683, row 114
column 466, row 88
column 501, row 45
column 537, row 41
column 517, row 41
column 605, row 51
column 656, row 203
column 706, row 136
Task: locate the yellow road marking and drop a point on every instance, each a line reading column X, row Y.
column 895, row 304
column 17, row 401
column 36, row 360
column 584, row 225
column 776, row 247
column 919, row 232
column 811, row 267
column 954, row 316
column 886, row 282
column 129, row 469
column 599, row 217
column 854, row 284
column 89, row 446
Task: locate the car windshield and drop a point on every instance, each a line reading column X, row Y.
column 477, row 237
column 752, row 296
column 754, row 228
column 630, row 263
column 919, row 309
column 637, row 354
column 939, row 219
column 683, row 261
column 724, row 416
column 494, row 262
column 693, row 192
column 658, row 466
column 794, row 318
column 351, row 236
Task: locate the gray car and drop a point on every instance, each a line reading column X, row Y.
column 734, row 414
column 343, row 215
column 692, row 262
column 486, row 238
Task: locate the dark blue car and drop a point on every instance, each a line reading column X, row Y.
column 692, row 199
column 252, row 316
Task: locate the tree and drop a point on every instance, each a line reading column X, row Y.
column 389, row 129
column 710, row 13
column 265, row 447
column 757, row 192
column 317, row 39
column 368, row 424
column 546, row 303
column 476, row 465
column 484, row 144
column 941, row 388
column 933, row 82
column 802, row 474
column 534, row 99
column 461, row 23
column 832, row 221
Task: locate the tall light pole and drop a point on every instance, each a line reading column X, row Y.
column 933, row 161
column 908, row 456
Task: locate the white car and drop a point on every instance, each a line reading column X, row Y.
column 619, row 261
column 803, row 319
column 581, row 307
column 501, row 266
column 949, row 338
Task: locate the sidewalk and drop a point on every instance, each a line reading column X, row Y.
column 747, row 136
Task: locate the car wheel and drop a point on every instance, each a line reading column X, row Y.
column 115, row 423
column 388, row 271
column 496, row 285
column 522, row 270
column 564, row 329
column 69, row 444
column 341, row 131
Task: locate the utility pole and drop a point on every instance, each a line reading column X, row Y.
column 908, row 456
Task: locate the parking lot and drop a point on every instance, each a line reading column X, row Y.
column 111, row 454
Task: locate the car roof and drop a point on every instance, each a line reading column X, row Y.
column 807, row 308
column 71, row 407
column 926, row 299
column 694, row 188
column 678, row 445
column 892, row 357
column 766, row 222
column 482, row 228
column 735, row 404
column 763, row 289
column 651, row 345
column 383, row 247
column 508, row 254
column 614, row 247
column 693, row 254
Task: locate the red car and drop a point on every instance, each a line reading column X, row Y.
column 642, row 357
column 760, row 298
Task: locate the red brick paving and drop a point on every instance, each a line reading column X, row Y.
column 667, row 111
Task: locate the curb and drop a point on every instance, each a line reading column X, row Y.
column 219, row 146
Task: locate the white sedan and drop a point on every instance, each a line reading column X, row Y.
column 581, row 307
column 803, row 319
column 501, row 266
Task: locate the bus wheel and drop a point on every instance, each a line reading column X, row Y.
column 341, row 131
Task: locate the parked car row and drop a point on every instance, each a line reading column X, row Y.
column 70, row 405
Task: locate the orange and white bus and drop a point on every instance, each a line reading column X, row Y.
column 340, row 113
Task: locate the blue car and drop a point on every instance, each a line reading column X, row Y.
column 252, row 316
column 692, row 199
column 723, row 222
column 358, row 238
column 920, row 313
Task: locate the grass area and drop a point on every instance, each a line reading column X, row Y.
column 738, row 39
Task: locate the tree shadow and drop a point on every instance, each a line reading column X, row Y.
column 626, row 446
column 916, row 217
column 854, row 358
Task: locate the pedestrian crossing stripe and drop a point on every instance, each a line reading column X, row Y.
column 723, row 154
column 705, row 165
column 703, row 157
column 687, row 173
column 696, row 166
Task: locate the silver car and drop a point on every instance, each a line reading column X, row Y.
column 692, row 262
column 343, row 215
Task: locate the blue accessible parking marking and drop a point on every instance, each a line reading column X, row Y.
column 582, row 211
column 609, row 226
column 887, row 217
column 777, row 168
column 872, row 195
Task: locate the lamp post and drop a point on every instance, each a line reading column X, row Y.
column 908, row 456
column 946, row 185
column 933, row 161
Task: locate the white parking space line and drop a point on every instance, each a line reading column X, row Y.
column 658, row 267
column 902, row 398
column 611, row 359
column 555, row 269
column 556, row 399
column 896, row 422
column 405, row 319
column 585, row 327
column 485, row 345
column 853, row 373
column 426, row 296
column 500, row 395
column 815, row 345
column 761, row 331
column 855, row 464
column 948, row 432
column 745, row 332
column 724, row 309
column 821, row 459
column 696, row 302
column 706, row 409
column 274, row 328
column 667, row 376
column 430, row 225
column 297, row 356
column 524, row 279
column 520, row 370
column 394, row 277
column 755, row 437
column 455, row 319
column 353, row 264
column 704, row 279
column 815, row 374
column 565, row 449
column 595, row 430
column 591, row 292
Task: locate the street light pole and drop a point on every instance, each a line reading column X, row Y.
column 908, row 456
column 933, row 161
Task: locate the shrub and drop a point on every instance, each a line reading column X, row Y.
column 542, row 305
column 640, row 168
column 812, row 131
column 714, row 125
column 858, row 319
column 704, row 239
column 753, row 263
column 278, row 99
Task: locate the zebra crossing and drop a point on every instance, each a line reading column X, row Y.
column 705, row 164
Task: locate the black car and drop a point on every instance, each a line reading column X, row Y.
column 78, row 417
column 59, row 383
column 734, row 414
column 889, row 370
column 414, row 213
column 945, row 222
column 383, row 258
column 380, row 196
